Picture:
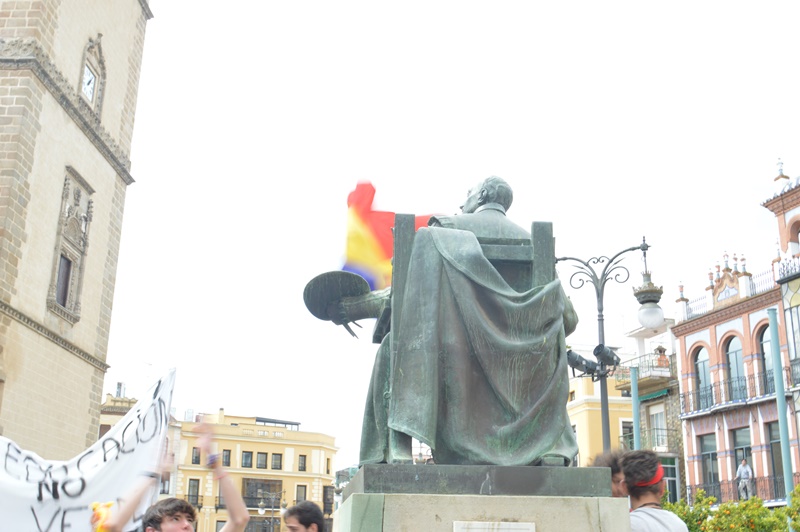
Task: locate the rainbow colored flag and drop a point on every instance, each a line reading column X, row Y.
column 369, row 237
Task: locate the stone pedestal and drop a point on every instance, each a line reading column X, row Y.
column 414, row 498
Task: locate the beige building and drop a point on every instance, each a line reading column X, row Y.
column 586, row 418
column 69, row 77
column 273, row 462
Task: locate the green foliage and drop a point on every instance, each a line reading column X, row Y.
column 792, row 513
column 744, row 516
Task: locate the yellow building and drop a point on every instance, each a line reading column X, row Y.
column 273, row 462
column 114, row 409
column 586, row 418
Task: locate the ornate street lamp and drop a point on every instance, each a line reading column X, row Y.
column 650, row 316
column 262, row 505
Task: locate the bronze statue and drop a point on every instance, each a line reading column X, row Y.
column 475, row 365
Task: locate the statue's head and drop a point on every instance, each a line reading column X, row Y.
column 491, row 190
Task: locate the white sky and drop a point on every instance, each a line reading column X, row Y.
column 256, row 118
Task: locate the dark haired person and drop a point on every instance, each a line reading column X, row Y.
column 176, row 515
column 644, row 477
column 304, row 516
column 613, row 461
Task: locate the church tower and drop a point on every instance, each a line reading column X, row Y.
column 69, row 77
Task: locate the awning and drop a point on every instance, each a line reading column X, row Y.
column 653, row 395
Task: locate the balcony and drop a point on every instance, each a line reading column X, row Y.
column 658, row 440
column 735, row 392
column 765, row 488
column 756, row 284
column 788, row 269
column 194, row 499
column 795, row 365
column 655, row 372
column 269, row 502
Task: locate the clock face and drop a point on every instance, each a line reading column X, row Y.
column 89, row 81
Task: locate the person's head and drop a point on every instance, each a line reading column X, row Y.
column 613, row 461
column 491, row 190
column 744, row 461
column 304, row 516
column 643, row 473
column 169, row 515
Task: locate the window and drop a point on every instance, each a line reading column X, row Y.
column 72, row 240
column 261, row 460
column 572, row 395
column 164, row 487
column 327, row 499
column 247, row 458
column 657, row 425
column 627, row 434
column 671, row 478
column 737, row 385
column 767, row 380
column 221, row 499
column 327, row 466
column 277, row 461
column 300, row 494
column 193, row 494
column 226, row 457
column 740, row 439
column 776, row 458
column 254, row 490
column 301, row 463
column 703, row 394
column 62, row 284
column 708, row 464
column 195, row 455
column 793, row 330
column 220, row 524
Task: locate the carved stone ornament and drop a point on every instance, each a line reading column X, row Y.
column 26, row 54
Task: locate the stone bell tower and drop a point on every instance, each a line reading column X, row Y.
column 69, row 78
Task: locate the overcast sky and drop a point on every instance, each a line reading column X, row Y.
column 256, row 118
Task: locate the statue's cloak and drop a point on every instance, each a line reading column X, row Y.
column 478, row 371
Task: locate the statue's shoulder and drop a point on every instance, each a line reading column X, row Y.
column 442, row 221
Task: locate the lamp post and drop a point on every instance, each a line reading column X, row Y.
column 650, row 314
column 262, row 505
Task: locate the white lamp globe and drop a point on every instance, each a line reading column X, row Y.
column 651, row 316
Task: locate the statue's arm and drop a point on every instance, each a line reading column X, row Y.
column 349, row 309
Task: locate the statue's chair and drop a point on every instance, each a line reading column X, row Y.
column 522, row 263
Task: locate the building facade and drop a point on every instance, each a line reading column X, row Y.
column 273, row 462
column 585, row 414
column 69, row 77
column 657, row 398
column 728, row 378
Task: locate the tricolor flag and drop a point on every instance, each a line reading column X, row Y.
column 369, row 237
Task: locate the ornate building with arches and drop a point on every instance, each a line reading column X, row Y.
column 728, row 380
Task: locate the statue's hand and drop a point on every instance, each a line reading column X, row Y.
column 337, row 312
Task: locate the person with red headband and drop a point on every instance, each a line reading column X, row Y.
column 644, row 476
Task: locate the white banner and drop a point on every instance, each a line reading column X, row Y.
column 38, row 495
